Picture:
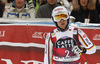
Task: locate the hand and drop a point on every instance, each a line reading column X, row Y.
column 76, row 50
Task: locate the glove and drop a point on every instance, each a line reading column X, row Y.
column 78, row 50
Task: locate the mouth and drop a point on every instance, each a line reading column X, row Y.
column 51, row 1
column 19, row 2
column 62, row 24
column 83, row 2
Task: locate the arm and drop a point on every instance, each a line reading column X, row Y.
column 5, row 14
column 96, row 17
column 7, row 10
column 73, row 13
column 31, row 10
column 86, row 43
column 48, row 50
column 38, row 14
column 1, row 10
column 66, row 3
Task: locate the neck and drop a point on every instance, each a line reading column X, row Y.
column 84, row 7
column 19, row 7
column 51, row 5
column 62, row 30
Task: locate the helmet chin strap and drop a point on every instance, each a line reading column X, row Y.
column 62, row 30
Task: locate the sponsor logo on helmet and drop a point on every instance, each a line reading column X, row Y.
column 58, row 9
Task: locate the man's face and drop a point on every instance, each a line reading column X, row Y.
column 51, row 1
column 19, row 3
column 62, row 23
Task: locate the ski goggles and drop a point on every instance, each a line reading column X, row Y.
column 60, row 16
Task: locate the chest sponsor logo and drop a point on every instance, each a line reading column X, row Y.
column 65, row 42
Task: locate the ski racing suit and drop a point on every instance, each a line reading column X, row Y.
column 58, row 46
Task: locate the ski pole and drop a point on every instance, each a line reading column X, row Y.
column 84, row 59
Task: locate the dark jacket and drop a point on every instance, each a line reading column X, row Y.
column 44, row 11
column 81, row 14
column 1, row 9
column 98, row 7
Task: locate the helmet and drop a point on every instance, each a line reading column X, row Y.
column 60, row 10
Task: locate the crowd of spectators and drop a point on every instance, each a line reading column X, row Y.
column 81, row 10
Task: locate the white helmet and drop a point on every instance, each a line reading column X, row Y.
column 60, row 10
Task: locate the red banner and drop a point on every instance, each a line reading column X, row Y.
column 21, row 44
column 94, row 35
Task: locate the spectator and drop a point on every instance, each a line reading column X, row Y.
column 1, row 8
column 84, row 11
column 68, row 5
column 44, row 11
column 37, row 6
column 38, row 3
column 98, row 7
column 19, row 9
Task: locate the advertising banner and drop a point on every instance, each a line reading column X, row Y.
column 24, row 44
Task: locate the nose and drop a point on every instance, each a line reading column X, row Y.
column 61, row 20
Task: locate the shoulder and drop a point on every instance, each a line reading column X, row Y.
column 51, row 33
column 8, row 5
column 43, row 6
column 94, row 11
column 29, row 5
column 74, row 28
column 54, row 31
column 75, row 12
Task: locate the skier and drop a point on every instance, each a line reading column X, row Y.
column 64, row 44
